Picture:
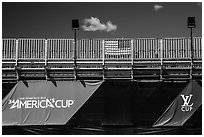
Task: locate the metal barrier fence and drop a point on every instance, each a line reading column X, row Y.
column 89, row 49
column 176, row 48
column 140, row 48
column 9, row 49
column 197, row 46
column 31, row 49
column 60, row 49
column 146, row 48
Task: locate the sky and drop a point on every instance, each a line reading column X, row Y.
column 100, row 19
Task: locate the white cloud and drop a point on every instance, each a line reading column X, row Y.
column 110, row 26
column 94, row 24
column 158, row 7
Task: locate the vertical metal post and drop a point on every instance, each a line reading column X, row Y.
column 103, row 57
column 75, row 46
column 161, row 58
column 75, row 56
column 192, row 55
column 191, row 25
column 132, row 61
column 16, row 52
column 46, row 53
column 16, row 65
column 46, row 56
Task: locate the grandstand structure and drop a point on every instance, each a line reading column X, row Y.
column 115, row 58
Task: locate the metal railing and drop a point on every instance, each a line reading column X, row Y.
column 31, row 49
column 9, row 49
column 98, row 49
column 119, row 58
column 89, row 49
column 60, row 49
column 146, row 48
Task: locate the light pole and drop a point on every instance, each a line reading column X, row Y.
column 191, row 25
column 75, row 27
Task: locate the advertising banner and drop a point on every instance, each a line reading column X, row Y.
column 45, row 102
column 183, row 107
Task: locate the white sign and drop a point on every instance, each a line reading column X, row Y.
column 186, row 103
column 40, row 102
